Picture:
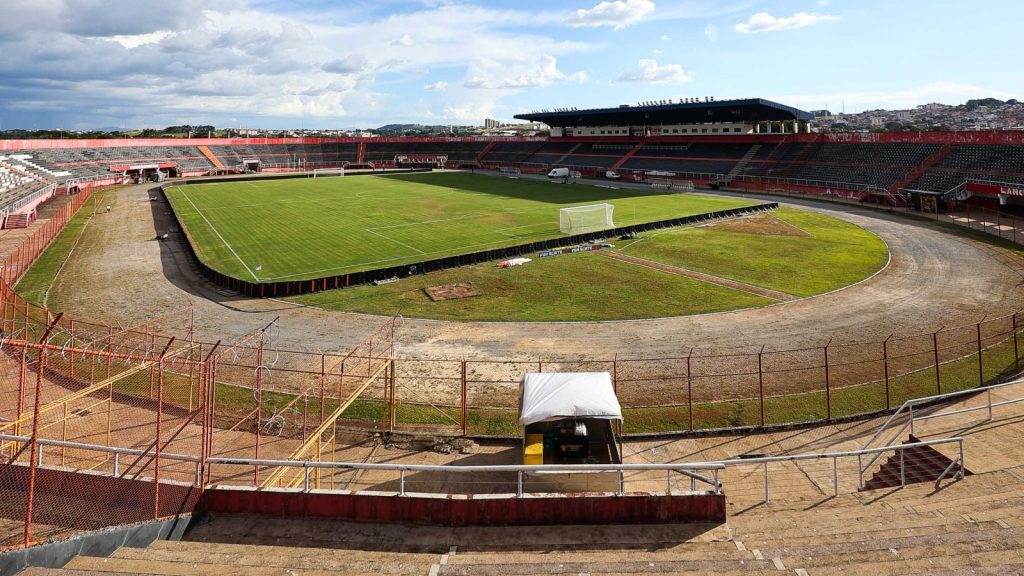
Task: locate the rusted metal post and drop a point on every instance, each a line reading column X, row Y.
column 465, row 414
column 33, row 451
column 885, row 368
column 689, row 387
column 259, row 410
column 110, row 343
column 1016, row 353
column 828, row 386
column 760, row 380
column 981, row 366
column 935, row 348
column 22, row 382
column 159, row 429
column 71, row 338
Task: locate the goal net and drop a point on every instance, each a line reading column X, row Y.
column 583, row 219
column 321, row 172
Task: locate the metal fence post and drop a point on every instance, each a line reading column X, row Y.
column 689, row 388
column 464, row 388
column 35, row 449
column 828, row 386
column 760, row 386
column 835, row 475
column 903, row 472
column 766, row 500
column 1016, row 353
column 981, row 368
column 885, row 369
column 935, row 348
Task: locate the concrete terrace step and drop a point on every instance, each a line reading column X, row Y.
column 689, row 551
column 965, row 563
column 781, row 539
column 522, row 565
column 284, row 551
column 852, row 527
column 965, row 542
column 37, row 571
column 273, row 557
column 186, row 568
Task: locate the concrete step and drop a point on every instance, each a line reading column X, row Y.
column 908, row 548
column 689, row 551
column 783, row 540
column 37, row 571
column 851, row 526
column 282, row 551
column 135, row 566
column 964, row 563
column 291, row 558
column 522, row 565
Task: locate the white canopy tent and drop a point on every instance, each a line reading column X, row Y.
column 558, row 395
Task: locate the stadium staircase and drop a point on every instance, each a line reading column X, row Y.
column 921, row 168
column 632, row 152
column 480, row 157
column 361, row 153
column 17, row 221
column 212, row 157
column 919, row 464
column 569, row 153
column 740, row 166
column 805, row 155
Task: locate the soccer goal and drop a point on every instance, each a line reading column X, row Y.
column 323, row 172
column 583, row 219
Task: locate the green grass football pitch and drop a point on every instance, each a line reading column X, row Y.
column 296, row 229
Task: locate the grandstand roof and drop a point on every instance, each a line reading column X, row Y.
column 747, row 110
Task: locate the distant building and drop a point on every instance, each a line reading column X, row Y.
column 491, row 123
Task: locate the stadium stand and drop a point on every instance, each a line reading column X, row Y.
column 936, row 163
column 1003, row 163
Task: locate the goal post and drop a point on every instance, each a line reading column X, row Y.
column 584, row 219
column 322, row 172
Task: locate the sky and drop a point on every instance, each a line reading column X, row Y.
column 80, row 64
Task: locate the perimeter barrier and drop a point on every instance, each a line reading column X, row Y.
column 167, row 404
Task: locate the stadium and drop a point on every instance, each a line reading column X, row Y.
column 765, row 349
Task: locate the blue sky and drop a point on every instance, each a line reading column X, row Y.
column 314, row 63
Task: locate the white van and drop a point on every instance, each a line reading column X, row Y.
column 558, row 173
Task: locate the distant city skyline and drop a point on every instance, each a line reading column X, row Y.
column 79, row 64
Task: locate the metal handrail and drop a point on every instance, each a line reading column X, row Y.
column 909, row 407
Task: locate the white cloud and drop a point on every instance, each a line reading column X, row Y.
column 619, row 14
column 351, row 64
column 656, row 51
column 765, row 22
column 403, row 40
column 492, row 75
column 665, row 37
column 651, row 72
column 439, row 86
column 711, row 32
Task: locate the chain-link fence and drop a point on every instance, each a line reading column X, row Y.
column 154, row 404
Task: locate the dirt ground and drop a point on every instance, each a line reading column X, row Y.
column 761, row 224
column 120, row 273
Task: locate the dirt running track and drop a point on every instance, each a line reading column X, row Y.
column 120, row 273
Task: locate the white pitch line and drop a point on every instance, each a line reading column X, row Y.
column 372, row 231
column 210, row 224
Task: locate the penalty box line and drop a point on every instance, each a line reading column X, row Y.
column 215, row 231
